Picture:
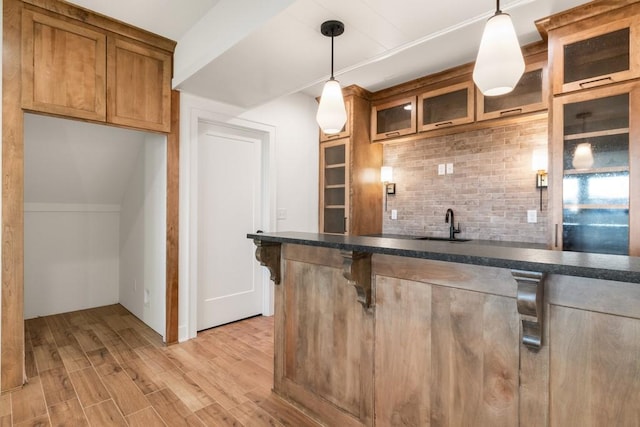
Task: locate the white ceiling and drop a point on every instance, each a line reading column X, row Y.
column 385, row 42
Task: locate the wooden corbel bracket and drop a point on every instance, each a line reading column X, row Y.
column 268, row 254
column 357, row 270
column 530, row 303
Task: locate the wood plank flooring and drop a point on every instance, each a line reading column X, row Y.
column 104, row 367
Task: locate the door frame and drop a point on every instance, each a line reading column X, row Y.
column 188, row 206
column 12, row 345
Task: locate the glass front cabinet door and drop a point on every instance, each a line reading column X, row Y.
column 529, row 95
column 448, row 106
column 597, row 55
column 596, row 149
column 393, row 119
column 334, row 186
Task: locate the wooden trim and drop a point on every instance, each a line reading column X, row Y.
column 584, row 11
column 12, row 329
column 173, row 178
column 602, row 296
column 101, row 21
column 634, row 172
column 488, row 280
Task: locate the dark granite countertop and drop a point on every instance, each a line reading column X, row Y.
column 510, row 255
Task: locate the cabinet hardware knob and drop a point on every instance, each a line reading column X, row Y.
column 596, row 82
column 392, row 133
column 556, row 235
column 443, row 124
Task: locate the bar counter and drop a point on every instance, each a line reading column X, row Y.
column 397, row 331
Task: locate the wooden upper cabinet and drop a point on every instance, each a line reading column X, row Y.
column 63, row 67
column 138, row 85
column 346, row 129
column 73, row 69
column 393, row 119
column 529, row 95
column 588, row 56
column 447, row 106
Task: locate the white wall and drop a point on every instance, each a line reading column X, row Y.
column 143, row 236
column 297, row 152
column 290, row 122
column 71, row 257
column 73, row 185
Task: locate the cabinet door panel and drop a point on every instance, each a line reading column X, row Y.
column 594, row 369
column 334, row 186
column 597, row 56
column 393, row 119
column 63, row 68
column 448, row 106
column 138, row 86
column 444, row 356
column 529, row 95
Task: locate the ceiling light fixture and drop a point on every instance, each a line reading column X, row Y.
column 499, row 64
column 332, row 114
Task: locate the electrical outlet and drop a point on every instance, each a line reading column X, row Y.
column 441, row 170
column 281, row 214
column 532, row 216
column 449, row 168
column 147, row 297
column 394, row 214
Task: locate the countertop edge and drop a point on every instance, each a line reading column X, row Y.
column 595, row 266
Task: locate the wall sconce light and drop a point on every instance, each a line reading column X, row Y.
column 332, row 114
column 539, row 163
column 499, row 64
column 386, row 176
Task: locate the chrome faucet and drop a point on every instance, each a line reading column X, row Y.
column 452, row 229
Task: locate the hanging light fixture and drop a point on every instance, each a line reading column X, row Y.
column 332, row 115
column 499, row 64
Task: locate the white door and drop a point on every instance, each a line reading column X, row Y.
column 229, row 202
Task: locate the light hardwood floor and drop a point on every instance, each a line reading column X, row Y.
column 104, row 367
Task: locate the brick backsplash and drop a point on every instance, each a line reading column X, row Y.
column 490, row 191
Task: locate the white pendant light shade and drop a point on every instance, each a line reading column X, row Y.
column 583, row 156
column 332, row 114
column 500, row 64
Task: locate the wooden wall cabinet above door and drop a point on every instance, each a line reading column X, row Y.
column 593, row 55
column 64, row 67
column 529, row 95
column 138, row 85
column 393, row 119
column 447, row 106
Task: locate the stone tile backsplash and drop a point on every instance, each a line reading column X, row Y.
column 490, row 190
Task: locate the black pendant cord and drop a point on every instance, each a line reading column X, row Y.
column 331, row 58
column 498, row 7
column 332, row 29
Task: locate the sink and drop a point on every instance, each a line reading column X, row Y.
column 441, row 239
